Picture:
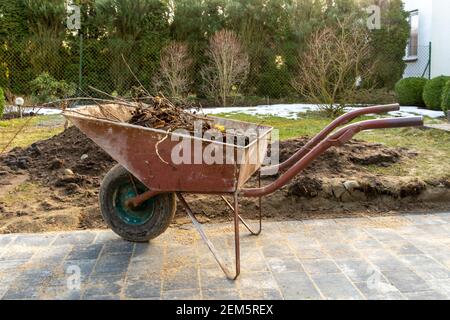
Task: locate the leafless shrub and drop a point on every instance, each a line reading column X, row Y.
column 227, row 68
column 174, row 74
column 334, row 65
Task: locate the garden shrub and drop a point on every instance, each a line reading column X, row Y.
column 45, row 88
column 2, row 103
column 432, row 92
column 409, row 91
column 446, row 98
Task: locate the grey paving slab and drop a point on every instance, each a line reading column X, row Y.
column 358, row 270
column 191, row 294
column 406, row 257
column 75, row 238
column 320, row 266
column 336, row 287
column 284, row 264
column 406, row 280
column 143, row 289
column 221, row 294
column 380, row 289
column 85, row 252
column 297, row 286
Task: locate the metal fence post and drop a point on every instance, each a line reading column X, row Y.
column 80, row 71
column 429, row 60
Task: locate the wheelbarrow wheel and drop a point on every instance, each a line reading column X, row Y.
column 140, row 224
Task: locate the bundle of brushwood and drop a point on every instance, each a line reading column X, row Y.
column 160, row 113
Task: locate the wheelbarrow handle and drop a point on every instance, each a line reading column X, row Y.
column 336, row 139
column 344, row 119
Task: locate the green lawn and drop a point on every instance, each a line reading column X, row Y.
column 37, row 128
column 433, row 146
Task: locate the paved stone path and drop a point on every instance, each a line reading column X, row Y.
column 399, row 257
column 443, row 126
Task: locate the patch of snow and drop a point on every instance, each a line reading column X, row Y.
column 43, row 111
column 293, row 111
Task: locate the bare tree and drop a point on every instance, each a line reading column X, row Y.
column 334, row 65
column 174, row 74
column 227, row 68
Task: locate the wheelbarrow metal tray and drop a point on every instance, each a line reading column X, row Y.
column 137, row 149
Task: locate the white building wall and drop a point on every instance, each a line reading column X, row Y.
column 440, row 57
column 417, row 67
column 425, row 18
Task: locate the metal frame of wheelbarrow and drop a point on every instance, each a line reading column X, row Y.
column 291, row 167
column 114, row 139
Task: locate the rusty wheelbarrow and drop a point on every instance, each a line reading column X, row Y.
column 138, row 196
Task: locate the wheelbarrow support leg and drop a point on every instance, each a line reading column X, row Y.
column 210, row 245
column 232, row 208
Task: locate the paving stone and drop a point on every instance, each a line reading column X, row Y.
column 3, row 290
column 284, row 264
column 59, row 293
column 406, row 280
column 143, row 289
column 101, row 297
column 352, row 259
column 276, row 250
column 441, row 286
column 192, row 294
column 313, row 252
column 148, row 251
column 358, row 270
column 425, row 295
column 102, row 286
column 112, row 264
column 106, row 236
column 340, row 251
column 22, row 293
column 320, row 266
column 403, row 248
column 296, row 286
column 257, row 281
column 118, row 247
column 384, row 235
column 225, row 294
column 426, row 267
column 64, row 272
column 6, row 239
column 253, row 260
column 386, row 261
column 379, row 290
column 180, row 278
column 34, row 240
column 212, row 277
column 7, row 265
column 85, row 252
column 74, row 238
column 336, row 286
column 51, row 257
column 15, row 253
column 143, row 269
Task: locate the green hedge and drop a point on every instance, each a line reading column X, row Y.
column 446, row 98
column 432, row 93
column 2, row 103
column 409, row 91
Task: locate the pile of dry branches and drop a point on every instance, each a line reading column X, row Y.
column 160, row 113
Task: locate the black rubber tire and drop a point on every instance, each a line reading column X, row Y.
column 164, row 210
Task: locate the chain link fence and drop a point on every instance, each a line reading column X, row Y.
column 118, row 69
column 87, row 64
column 419, row 64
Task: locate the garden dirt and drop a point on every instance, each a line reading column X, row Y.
column 53, row 185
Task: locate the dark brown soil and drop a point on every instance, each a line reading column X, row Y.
column 65, row 173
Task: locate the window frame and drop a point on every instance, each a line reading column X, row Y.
column 409, row 56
